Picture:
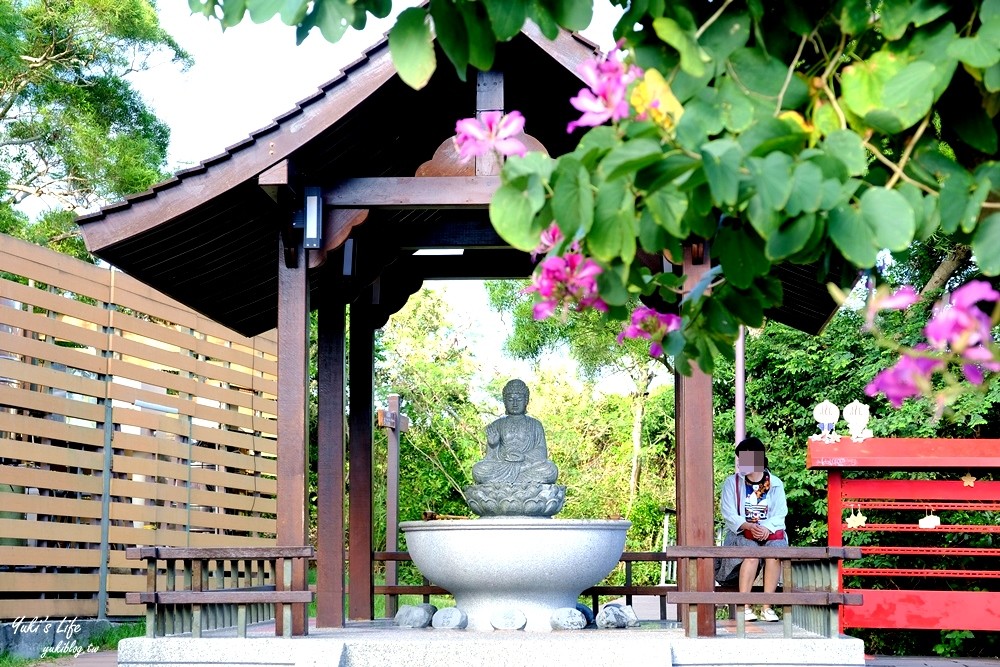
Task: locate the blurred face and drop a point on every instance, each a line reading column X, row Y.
column 748, row 462
column 515, row 402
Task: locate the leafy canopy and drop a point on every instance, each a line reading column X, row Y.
column 73, row 131
column 774, row 133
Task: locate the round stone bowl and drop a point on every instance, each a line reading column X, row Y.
column 534, row 565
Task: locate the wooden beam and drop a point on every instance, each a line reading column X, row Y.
column 361, row 378
column 450, row 229
column 484, row 265
column 293, row 420
column 331, row 418
column 695, row 479
column 413, row 192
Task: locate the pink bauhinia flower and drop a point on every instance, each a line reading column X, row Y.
column 910, row 376
column 495, row 132
column 566, row 281
column 605, row 97
column 548, row 240
column 958, row 323
column 901, row 299
column 652, row 325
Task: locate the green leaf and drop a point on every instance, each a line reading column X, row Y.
column 897, row 15
column 506, row 16
column 670, row 168
column 975, row 52
column 693, row 58
column 742, row 256
column 846, row 146
column 772, row 177
column 572, row 197
column 972, row 207
column 631, row 156
column 852, row 236
column 512, row 213
column 890, row 218
column 720, row 320
column 293, row 11
column 412, row 48
column 989, row 10
column 263, row 10
column 763, row 218
column 791, row 237
column 853, row 16
column 233, row 10
column 573, row 14
column 745, row 306
column 737, row 110
column 806, row 192
column 975, row 128
column 605, row 237
column 611, row 288
column 534, row 162
column 952, row 199
column 916, row 202
column 334, row 16
column 986, row 245
column 910, row 93
column 991, row 79
column 764, row 76
column 652, row 236
column 449, row 27
column 541, row 14
column 721, row 161
column 728, row 33
column 482, row 41
column 668, row 206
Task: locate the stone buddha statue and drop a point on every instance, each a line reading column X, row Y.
column 515, row 444
column 516, row 477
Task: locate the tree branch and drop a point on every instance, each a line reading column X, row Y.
column 895, row 168
column 789, row 74
column 905, row 157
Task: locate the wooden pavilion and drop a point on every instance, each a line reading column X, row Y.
column 326, row 207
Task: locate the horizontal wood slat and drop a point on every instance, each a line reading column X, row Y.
column 58, row 608
column 48, row 403
column 200, row 474
column 223, row 553
column 49, row 557
column 219, row 597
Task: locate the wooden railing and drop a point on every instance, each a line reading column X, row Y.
column 809, row 595
column 208, row 589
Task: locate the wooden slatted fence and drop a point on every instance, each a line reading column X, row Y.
column 126, row 419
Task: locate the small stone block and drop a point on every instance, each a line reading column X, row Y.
column 587, row 612
column 566, row 618
column 612, row 616
column 508, row 619
column 633, row 619
column 410, row 616
column 450, row 618
column 431, row 609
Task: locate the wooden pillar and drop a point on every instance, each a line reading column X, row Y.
column 361, row 378
column 331, row 443
column 395, row 423
column 695, row 478
column 293, row 416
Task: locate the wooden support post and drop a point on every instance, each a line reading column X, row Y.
column 395, row 423
column 331, row 443
column 361, row 378
column 293, row 420
column 489, row 97
column 695, row 492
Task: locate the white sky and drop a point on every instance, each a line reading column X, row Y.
column 246, row 76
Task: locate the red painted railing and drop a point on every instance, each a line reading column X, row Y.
column 960, row 464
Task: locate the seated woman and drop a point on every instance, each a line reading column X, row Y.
column 753, row 506
column 516, row 450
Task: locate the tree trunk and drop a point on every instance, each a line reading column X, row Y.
column 956, row 259
column 644, row 377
